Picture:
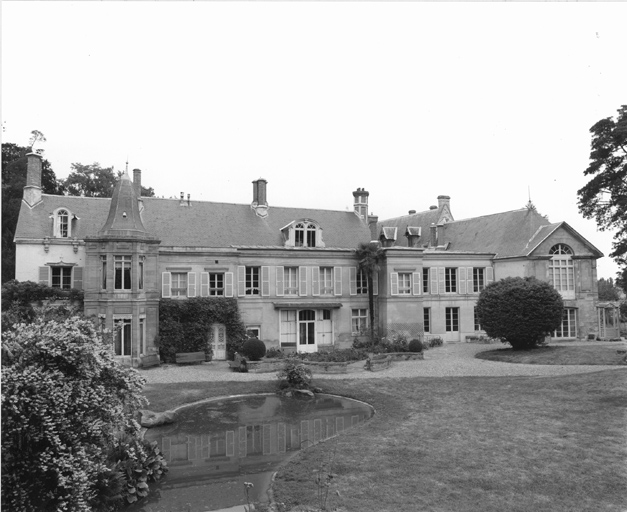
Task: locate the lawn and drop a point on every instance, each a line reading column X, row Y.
column 559, row 354
column 462, row 444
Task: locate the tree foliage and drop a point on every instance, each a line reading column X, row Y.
column 69, row 438
column 608, row 290
column 604, row 197
column 92, row 180
column 370, row 256
column 520, row 311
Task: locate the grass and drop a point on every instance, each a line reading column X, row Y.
column 585, row 354
column 463, row 444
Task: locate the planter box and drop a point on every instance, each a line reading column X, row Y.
column 378, row 363
column 406, row 356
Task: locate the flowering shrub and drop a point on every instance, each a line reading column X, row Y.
column 294, row 375
column 69, row 438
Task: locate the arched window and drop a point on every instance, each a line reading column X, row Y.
column 562, row 270
column 305, row 234
column 62, row 224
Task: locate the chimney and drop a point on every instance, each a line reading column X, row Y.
column 433, row 232
column 372, row 224
column 360, row 203
column 433, row 207
column 411, row 212
column 32, row 190
column 137, row 182
column 444, row 200
column 182, row 200
column 260, row 200
column 189, row 200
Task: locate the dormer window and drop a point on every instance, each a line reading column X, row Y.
column 302, row 233
column 62, row 224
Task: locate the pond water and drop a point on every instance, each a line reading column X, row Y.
column 214, row 447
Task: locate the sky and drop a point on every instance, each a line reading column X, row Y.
column 489, row 103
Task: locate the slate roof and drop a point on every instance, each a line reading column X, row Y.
column 422, row 220
column 203, row 224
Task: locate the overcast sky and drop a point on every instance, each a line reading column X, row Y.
column 485, row 102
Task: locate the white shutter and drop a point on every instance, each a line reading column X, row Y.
column 441, row 280
column 434, row 280
column 265, row 281
column 191, row 284
column 469, row 280
column 352, row 280
column 375, row 283
column 78, row 278
column 394, row 283
column 241, row 281
column 280, row 282
column 204, row 284
column 302, row 281
column 166, row 285
column 337, row 280
column 489, row 273
column 315, row 281
column 461, row 280
column 417, row 279
column 228, row 284
column 44, row 275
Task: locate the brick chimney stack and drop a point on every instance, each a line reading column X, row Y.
column 444, row 200
column 137, row 182
column 433, row 236
column 360, row 203
column 260, row 200
column 32, row 190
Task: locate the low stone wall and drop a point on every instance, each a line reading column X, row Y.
column 275, row 365
column 406, row 356
column 378, row 362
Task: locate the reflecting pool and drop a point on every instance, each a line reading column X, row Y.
column 214, row 447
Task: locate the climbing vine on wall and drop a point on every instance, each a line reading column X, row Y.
column 184, row 325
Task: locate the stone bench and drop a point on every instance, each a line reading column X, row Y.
column 150, row 360
column 190, row 357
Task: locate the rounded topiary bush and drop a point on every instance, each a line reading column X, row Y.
column 254, row 349
column 415, row 346
column 520, row 311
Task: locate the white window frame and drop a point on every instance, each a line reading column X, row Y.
column 359, row 320
column 177, row 289
column 61, row 229
column 65, row 273
column 126, row 263
column 326, row 280
column 450, row 280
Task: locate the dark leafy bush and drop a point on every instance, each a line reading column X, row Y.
column 415, row 346
column 520, row 311
column 254, row 349
column 295, row 375
column 434, row 342
column 275, row 353
column 68, row 417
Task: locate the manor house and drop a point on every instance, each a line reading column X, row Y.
column 293, row 271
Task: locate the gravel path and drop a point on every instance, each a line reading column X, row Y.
column 454, row 360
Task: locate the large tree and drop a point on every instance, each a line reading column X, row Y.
column 608, row 290
column 14, row 163
column 92, row 180
column 604, row 197
column 370, row 256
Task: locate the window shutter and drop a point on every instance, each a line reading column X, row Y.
column 434, row 280
column 280, row 288
column 302, row 281
column 241, row 281
column 469, row 280
column 394, row 283
column 204, row 284
column 78, row 278
column 461, row 280
column 352, row 280
column 489, row 275
column 441, row 280
column 265, row 281
column 417, row 278
column 375, row 283
column 337, row 280
column 166, row 285
column 228, row 284
column 191, row 284
column 44, row 275
column 315, row 281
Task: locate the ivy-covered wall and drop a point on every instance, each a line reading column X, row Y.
column 184, row 325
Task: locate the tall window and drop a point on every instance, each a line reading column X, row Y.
column 179, row 284
column 568, row 329
column 450, row 279
column 452, row 319
column 426, row 319
column 306, row 327
column 404, row 283
column 216, row 283
column 252, row 280
column 122, row 272
column 305, row 234
column 478, row 279
column 63, row 224
column 425, row 280
column 477, row 322
column 326, row 280
column 62, row 277
column 359, row 318
column 103, row 272
column 123, row 337
column 561, row 269
column 362, row 282
column 140, row 277
column 290, row 276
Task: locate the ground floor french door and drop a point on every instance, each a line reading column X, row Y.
column 217, row 339
column 306, row 329
column 451, row 334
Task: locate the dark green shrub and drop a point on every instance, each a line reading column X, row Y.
column 275, row 353
column 334, row 356
column 294, row 375
column 520, row 311
column 434, row 342
column 254, row 349
column 415, row 346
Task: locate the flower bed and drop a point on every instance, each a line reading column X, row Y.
column 406, row 356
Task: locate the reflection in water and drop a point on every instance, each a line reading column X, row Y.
column 214, row 447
